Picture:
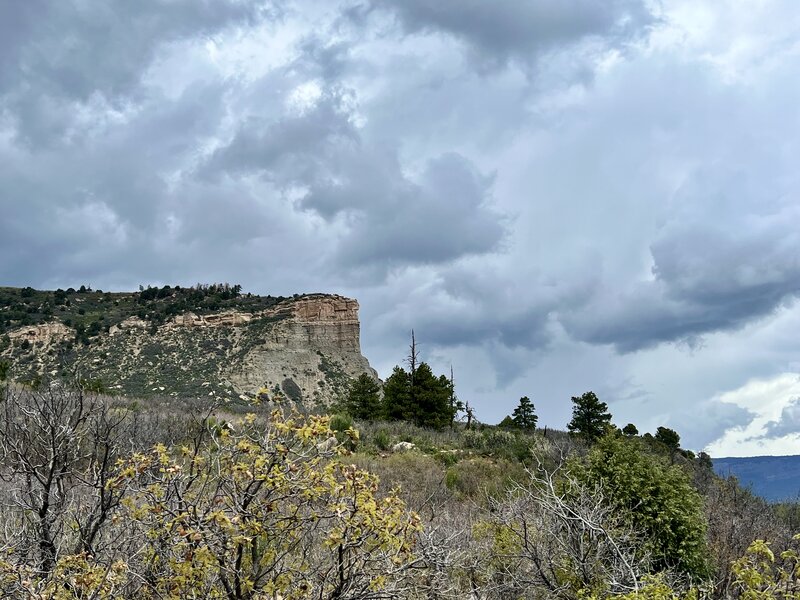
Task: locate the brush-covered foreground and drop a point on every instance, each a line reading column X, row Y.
column 105, row 498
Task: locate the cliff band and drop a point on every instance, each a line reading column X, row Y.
column 307, row 348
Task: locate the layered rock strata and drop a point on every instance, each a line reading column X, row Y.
column 307, row 349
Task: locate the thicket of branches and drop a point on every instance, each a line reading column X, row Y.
column 103, row 500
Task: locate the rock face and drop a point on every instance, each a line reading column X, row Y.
column 127, row 324
column 313, row 351
column 224, row 319
column 44, row 334
column 306, row 349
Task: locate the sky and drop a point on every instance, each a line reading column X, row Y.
column 556, row 195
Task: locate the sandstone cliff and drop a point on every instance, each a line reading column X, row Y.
column 306, row 348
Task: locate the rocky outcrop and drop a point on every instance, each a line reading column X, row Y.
column 223, row 319
column 309, row 353
column 129, row 323
column 43, row 334
column 305, row 348
column 321, row 309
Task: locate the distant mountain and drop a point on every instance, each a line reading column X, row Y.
column 774, row 478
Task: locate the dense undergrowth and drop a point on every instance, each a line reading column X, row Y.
column 106, row 497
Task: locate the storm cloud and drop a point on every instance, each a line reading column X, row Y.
column 556, row 196
column 500, row 31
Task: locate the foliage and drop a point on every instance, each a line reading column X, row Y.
column 630, row 429
column 655, row 498
column 382, row 439
column 341, row 423
column 668, row 437
column 657, row 588
column 760, row 576
column 364, row 400
column 507, row 423
column 85, row 306
column 397, row 405
column 110, row 498
column 524, row 415
column 423, row 398
column 254, row 510
column 590, row 417
column 249, row 511
column 554, row 533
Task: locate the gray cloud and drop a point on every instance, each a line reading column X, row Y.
column 57, row 55
column 506, row 29
column 533, row 186
column 391, row 219
column 728, row 253
column 788, row 423
column 708, row 421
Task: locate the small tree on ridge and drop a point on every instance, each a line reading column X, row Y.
column 590, row 417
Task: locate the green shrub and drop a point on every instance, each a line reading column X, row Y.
column 341, row 423
column 480, row 477
column 654, row 497
column 382, row 439
column 447, row 458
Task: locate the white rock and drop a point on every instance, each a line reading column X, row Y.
column 403, row 447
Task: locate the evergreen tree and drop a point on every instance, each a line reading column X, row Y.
column 432, row 398
column 654, row 497
column 507, row 423
column 630, row 429
column 524, row 416
column 668, row 437
column 397, row 405
column 424, row 400
column 364, row 400
column 590, row 417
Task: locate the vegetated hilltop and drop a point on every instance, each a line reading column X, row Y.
column 774, row 478
column 207, row 339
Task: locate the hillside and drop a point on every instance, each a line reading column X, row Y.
column 185, row 341
column 774, row 478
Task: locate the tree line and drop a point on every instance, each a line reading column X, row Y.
column 418, row 396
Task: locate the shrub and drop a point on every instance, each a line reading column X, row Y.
column 382, row 439
column 244, row 512
column 341, row 423
column 655, row 497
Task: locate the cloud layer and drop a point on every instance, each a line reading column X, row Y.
column 557, row 196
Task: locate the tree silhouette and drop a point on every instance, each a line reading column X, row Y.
column 524, row 416
column 590, row 417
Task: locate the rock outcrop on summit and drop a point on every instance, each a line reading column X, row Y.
column 305, row 348
column 315, row 348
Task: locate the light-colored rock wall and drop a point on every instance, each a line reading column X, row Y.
column 45, row 333
column 223, row 319
column 317, row 346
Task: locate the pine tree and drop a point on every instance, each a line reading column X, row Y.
column 507, row 423
column 432, row 398
column 425, row 400
column 364, row 400
column 524, row 416
column 590, row 417
column 397, row 405
column 630, row 429
column 668, row 437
